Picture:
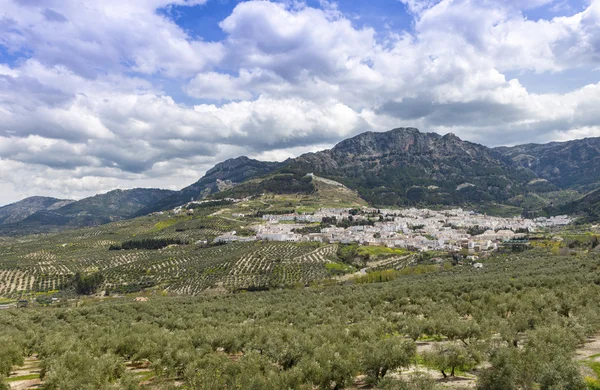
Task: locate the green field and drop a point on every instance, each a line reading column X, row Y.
column 374, row 251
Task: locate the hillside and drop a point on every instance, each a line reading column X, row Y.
column 18, row 211
column 405, row 166
column 572, row 164
column 193, row 266
column 99, row 209
column 316, row 190
column 283, row 182
column 587, row 208
column 222, row 176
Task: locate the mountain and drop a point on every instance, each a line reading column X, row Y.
column 222, row 176
column 399, row 167
column 95, row 210
column 18, row 211
column 405, row 166
column 572, row 164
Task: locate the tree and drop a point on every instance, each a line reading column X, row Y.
column 450, row 357
column 11, row 354
column 417, row 381
column 333, row 366
column 385, row 355
column 561, row 373
column 87, row 284
column 3, row 384
column 502, row 374
column 413, row 327
column 80, row 370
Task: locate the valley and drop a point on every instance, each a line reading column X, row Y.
column 254, row 243
column 297, row 275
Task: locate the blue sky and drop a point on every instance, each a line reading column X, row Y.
column 203, row 20
column 152, row 93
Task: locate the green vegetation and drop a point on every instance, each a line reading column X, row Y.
column 147, row 243
column 283, row 315
column 339, row 268
column 587, row 207
column 168, row 223
column 595, row 366
column 86, row 284
column 392, row 274
column 23, row 378
column 29, row 266
column 285, row 182
column 519, row 320
column 374, row 251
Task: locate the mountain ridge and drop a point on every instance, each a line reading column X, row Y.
column 405, row 166
column 569, row 164
column 18, row 211
column 400, row 167
column 224, row 174
column 94, row 210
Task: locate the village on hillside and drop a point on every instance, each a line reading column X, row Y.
column 414, row 229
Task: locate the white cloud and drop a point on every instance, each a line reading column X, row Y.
column 218, row 86
column 286, row 79
column 95, row 37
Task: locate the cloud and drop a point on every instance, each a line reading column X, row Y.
column 292, row 43
column 274, row 124
column 53, row 16
column 84, row 107
column 96, row 37
column 218, row 86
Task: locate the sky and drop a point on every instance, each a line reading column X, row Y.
column 97, row 95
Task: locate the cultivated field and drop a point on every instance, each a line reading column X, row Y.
column 525, row 321
column 41, row 264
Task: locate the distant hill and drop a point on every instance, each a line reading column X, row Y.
column 18, row 211
column 95, row 210
column 222, row 176
column 572, row 164
column 587, row 208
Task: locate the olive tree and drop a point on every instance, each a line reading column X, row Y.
column 385, row 355
column 451, row 356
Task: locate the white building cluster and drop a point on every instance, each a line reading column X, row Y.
column 416, row 229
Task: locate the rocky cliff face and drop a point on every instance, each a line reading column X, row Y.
column 405, row 166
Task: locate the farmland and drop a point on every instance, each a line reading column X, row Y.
column 524, row 321
column 156, row 303
column 44, row 263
